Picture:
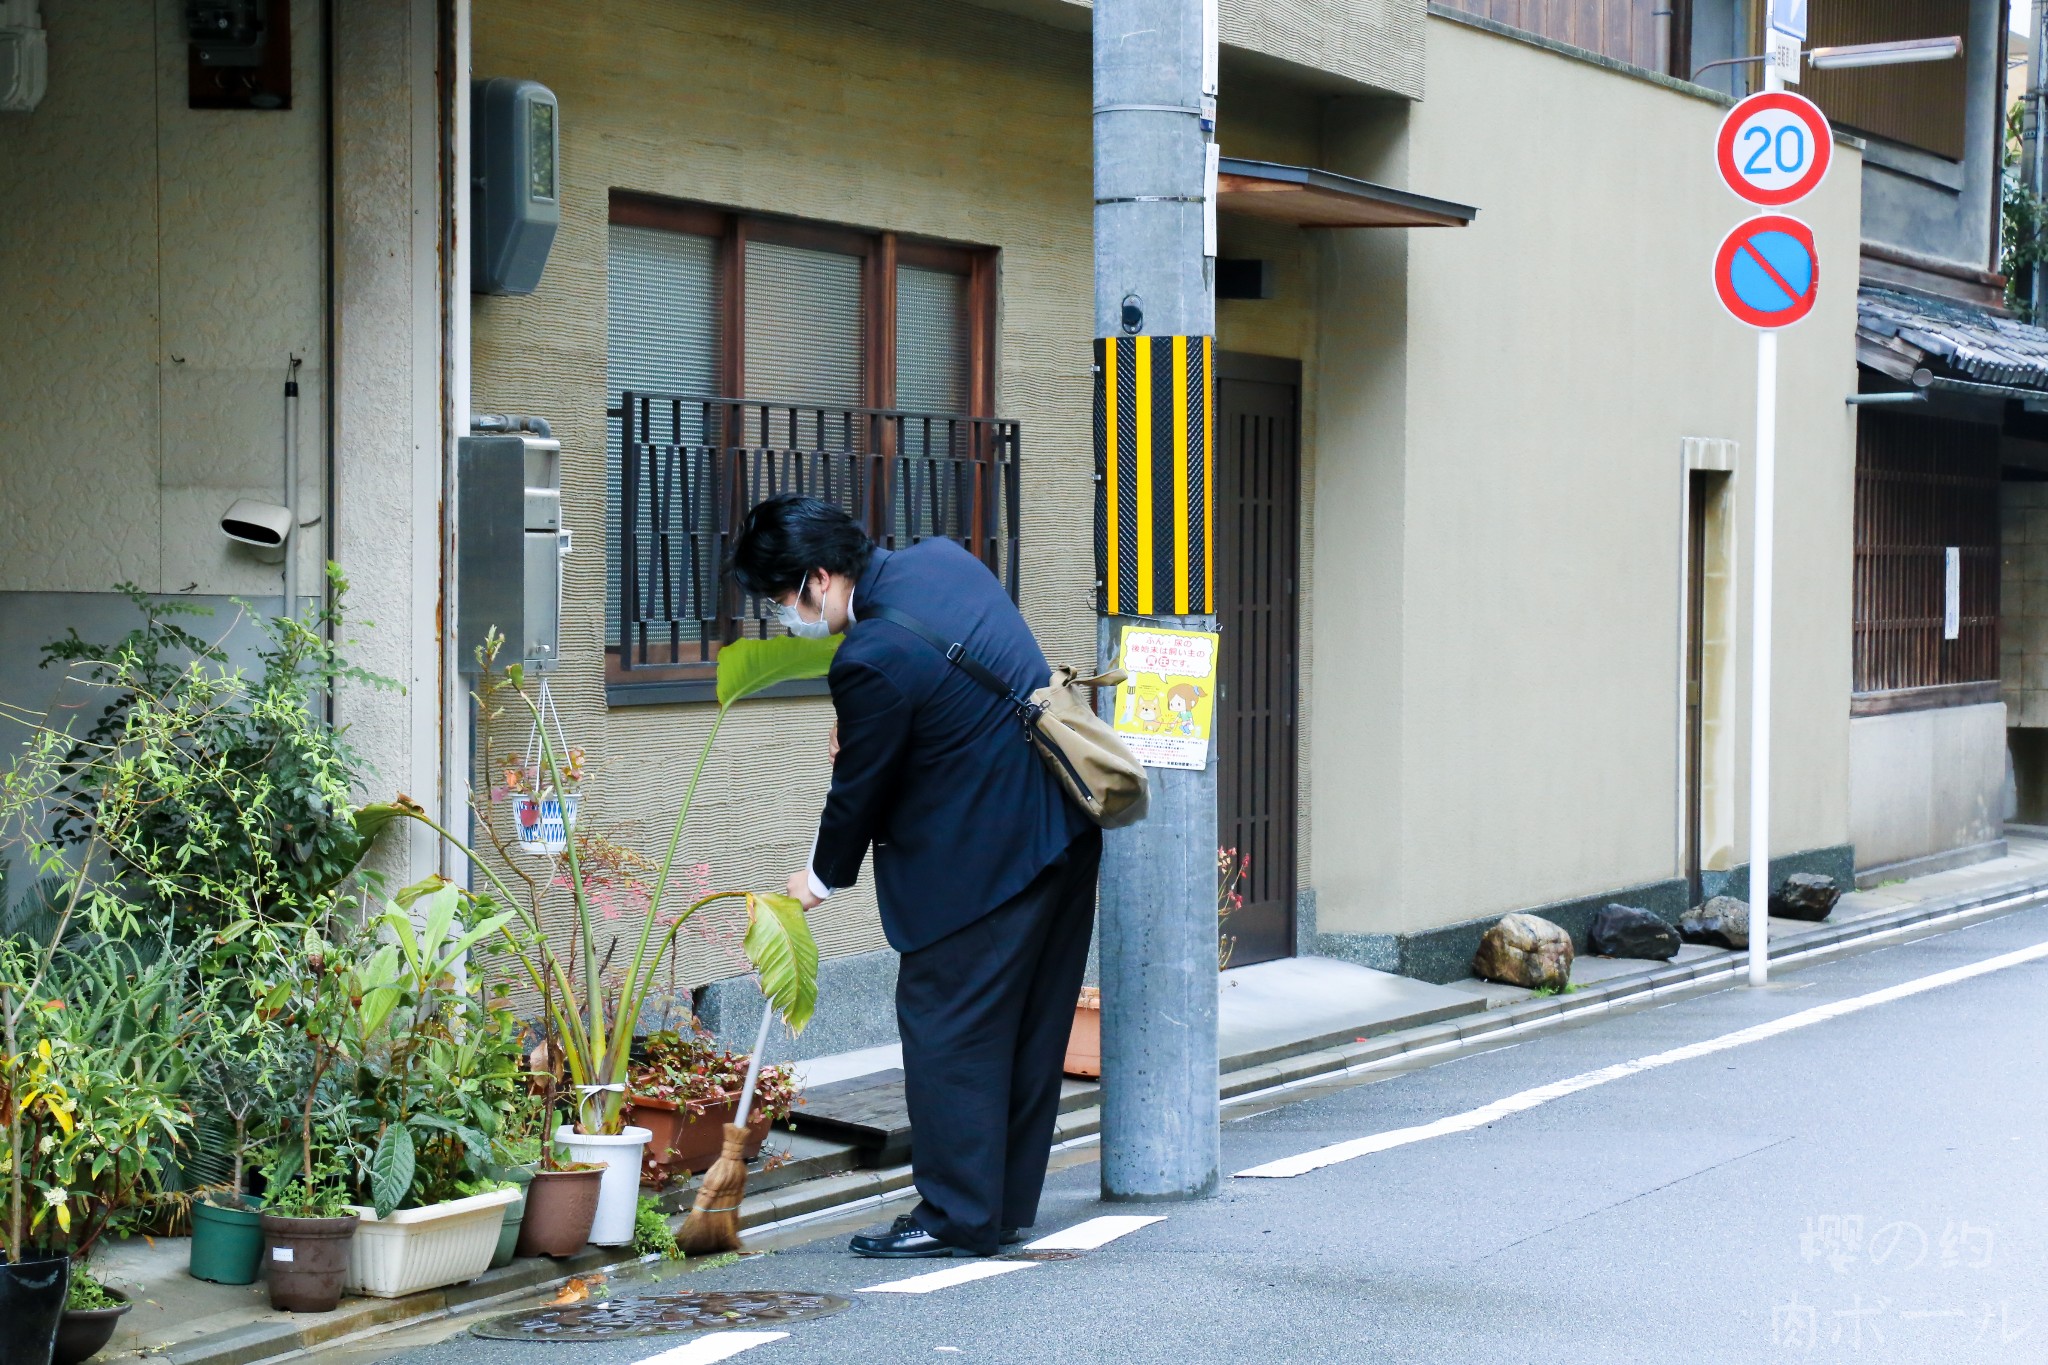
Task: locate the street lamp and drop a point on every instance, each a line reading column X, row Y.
column 1884, row 54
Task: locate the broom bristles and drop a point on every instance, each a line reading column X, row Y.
column 714, row 1221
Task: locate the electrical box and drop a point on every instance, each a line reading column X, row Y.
column 509, row 547
column 516, row 199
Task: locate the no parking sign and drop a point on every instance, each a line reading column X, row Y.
column 1767, row 271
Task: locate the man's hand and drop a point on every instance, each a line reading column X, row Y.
column 800, row 890
column 832, row 743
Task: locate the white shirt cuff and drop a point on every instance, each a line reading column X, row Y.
column 818, row 888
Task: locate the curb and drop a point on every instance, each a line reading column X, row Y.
column 846, row 1192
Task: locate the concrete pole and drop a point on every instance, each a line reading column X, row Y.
column 1154, row 127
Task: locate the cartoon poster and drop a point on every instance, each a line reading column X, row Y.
column 1166, row 708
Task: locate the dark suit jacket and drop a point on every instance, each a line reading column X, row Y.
column 934, row 770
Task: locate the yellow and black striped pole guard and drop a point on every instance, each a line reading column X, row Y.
column 1154, row 399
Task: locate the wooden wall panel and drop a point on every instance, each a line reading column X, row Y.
column 1921, row 105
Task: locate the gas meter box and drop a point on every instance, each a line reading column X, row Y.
column 516, row 200
column 509, row 547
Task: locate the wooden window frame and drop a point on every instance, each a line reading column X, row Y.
column 880, row 254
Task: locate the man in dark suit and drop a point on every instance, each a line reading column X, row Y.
column 984, row 869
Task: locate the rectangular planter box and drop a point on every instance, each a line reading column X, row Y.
column 416, row 1249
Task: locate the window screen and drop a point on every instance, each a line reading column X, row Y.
column 931, row 340
column 804, row 325
column 662, row 312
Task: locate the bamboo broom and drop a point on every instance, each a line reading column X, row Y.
column 714, row 1221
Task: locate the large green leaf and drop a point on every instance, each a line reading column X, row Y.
column 748, row 666
column 391, row 1168
column 780, row 946
column 373, row 819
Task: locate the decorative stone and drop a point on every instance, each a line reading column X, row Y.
column 1525, row 950
column 1805, row 895
column 1722, row 921
column 1626, row 931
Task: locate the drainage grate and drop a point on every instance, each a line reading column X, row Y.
column 646, row 1315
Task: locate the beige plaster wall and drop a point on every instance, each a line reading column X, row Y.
column 922, row 117
column 162, row 265
column 1499, row 497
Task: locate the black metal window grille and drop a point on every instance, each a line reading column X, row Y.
column 691, row 466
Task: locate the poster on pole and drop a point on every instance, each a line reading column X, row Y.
column 1166, row 706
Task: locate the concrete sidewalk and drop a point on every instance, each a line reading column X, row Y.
column 1280, row 1023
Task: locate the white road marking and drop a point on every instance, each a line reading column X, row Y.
column 1572, row 1085
column 716, row 1346
column 1096, row 1232
column 947, row 1278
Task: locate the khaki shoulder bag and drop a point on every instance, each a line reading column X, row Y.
column 1099, row 772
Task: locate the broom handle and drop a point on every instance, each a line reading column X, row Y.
column 754, row 1063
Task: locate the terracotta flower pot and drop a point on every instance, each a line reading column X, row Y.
column 83, row 1332
column 306, row 1261
column 1084, row 1044
column 559, row 1208
column 686, row 1139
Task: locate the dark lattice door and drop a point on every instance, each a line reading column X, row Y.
column 1257, row 507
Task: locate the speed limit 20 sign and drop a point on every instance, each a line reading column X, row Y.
column 1774, row 148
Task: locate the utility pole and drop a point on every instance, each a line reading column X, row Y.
column 1763, row 590
column 1155, row 65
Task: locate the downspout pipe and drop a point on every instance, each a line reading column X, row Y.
column 455, row 699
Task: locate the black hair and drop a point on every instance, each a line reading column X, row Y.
column 783, row 539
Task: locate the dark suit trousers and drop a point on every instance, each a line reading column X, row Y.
column 985, row 1013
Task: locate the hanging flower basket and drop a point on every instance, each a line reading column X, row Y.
column 543, row 819
column 545, row 822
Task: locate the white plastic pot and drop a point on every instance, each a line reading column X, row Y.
column 618, row 1194
column 415, row 1249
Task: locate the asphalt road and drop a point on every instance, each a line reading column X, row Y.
column 1869, row 1187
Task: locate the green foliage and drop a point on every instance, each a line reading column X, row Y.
column 2024, row 238
column 590, row 1031
column 86, row 1292
column 652, row 1235
column 217, row 797
column 328, row 1197
column 780, row 946
column 747, row 666
column 96, row 1091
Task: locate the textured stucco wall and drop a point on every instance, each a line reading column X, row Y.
column 1498, row 498
column 162, row 265
column 1335, row 45
column 941, row 120
column 388, row 423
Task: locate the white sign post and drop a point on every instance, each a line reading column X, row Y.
column 1773, row 148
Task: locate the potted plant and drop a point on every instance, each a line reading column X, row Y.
column 593, row 1030
column 685, row 1089
column 240, row 1060
column 1084, row 1041
column 314, row 995
column 91, row 1314
column 432, row 1068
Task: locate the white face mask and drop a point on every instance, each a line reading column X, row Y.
column 794, row 622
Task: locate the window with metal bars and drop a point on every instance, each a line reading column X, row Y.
column 750, row 355
column 1925, row 486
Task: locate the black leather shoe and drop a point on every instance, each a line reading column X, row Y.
column 905, row 1240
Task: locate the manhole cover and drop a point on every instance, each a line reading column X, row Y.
column 1041, row 1256
column 646, row 1315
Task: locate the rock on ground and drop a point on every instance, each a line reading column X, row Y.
column 1722, row 921
column 1525, row 950
column 1805, row 895
column 1627, row 931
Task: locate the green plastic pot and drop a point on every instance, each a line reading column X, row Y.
column 508, row 1235
column 227, row 1242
